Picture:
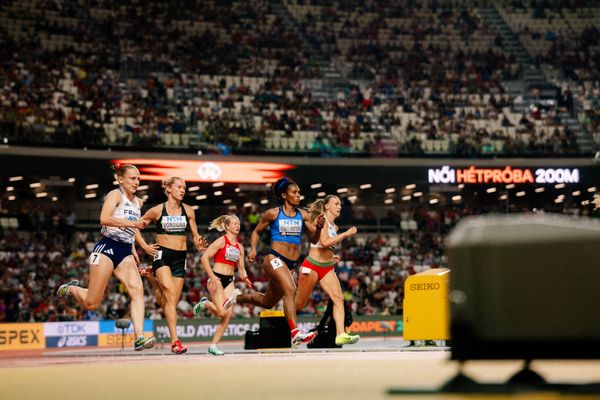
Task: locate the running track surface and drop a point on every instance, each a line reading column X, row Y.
column 366, row 370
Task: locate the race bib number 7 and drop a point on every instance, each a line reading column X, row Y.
column 276, row 263
column 94, row 258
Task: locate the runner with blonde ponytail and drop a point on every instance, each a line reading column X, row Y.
column 174, row 220
column 319, row 265
column 227, row 253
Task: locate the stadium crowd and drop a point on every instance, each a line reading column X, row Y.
column 437, row 88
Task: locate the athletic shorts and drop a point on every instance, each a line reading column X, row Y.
column 225, row 279
column 174, row 259
column 112, row 249
column 291, row 264
column 320, row 268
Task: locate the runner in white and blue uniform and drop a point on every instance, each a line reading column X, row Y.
column 287, row 224
column 114, row 254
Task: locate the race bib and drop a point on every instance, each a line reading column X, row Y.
column 305, row 270
column 276, row 263
column 232, row 253
column 94, row 258
column 158, row 255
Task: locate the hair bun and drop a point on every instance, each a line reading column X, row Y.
column 115, row 166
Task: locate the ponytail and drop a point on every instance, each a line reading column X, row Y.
column 219, row 223
column 317, row 207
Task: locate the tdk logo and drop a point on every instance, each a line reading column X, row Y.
column 71, row 329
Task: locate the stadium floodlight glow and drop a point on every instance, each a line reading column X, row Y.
column 510, row 186
column 585, row 202
column 11, row 198
column 227, row 201
column 195, row 207
column 264, row 201
column 316, row 185
column 209, row 171
column 35, row 185
column 406, row 198
column 520, row 194
column 592, row 189
column 15, row 178
column 457, row 198
column 143, row 187
column 576, row 193
column 434, row 201
column 462, row 185
column 115, row 182
column 269, row 184
column 503, row 197
column 342, row 190
column 193, row 188
column 559, row 200
column 321, row 194
column 418, row 194
column 559, row 186
column 352, row 198
column 218, row 193
column 10, row 188
column 388, row 201
column 90, row 195
column 54, row 198
column 218, row 184
column 390, row 190
column 232, row 207
column 491, row 190
column 246, row 205
column 95, row 186
column 71, row 180
column 410, row 186
column 366, row 186
column 145, row 197
column 201, row 197
column 237, row 190
column 539, row 190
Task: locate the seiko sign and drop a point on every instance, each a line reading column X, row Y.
column 508, row 174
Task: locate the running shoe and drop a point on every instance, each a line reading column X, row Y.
column 232, row 300
column 345, row 338
column 178, row 348
column 214, row 350
column 299, row 338
column 142, row 343
column 63, row 290
column 200, row 306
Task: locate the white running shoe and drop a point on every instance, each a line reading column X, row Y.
column 232, row 300
column 303, row 338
